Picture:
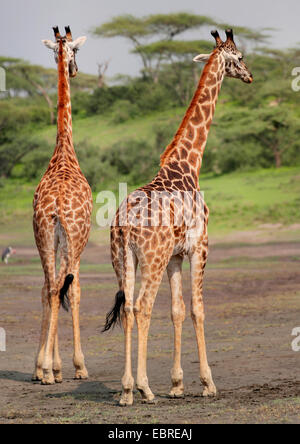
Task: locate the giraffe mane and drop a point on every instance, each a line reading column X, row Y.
column 171, row 148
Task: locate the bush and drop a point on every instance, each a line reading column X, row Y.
column 123, row 110
column 80, row 104
column 36, row 162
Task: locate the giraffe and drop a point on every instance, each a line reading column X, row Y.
column 61, row 221
column 139, row 236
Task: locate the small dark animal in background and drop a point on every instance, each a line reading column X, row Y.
column 7, row 253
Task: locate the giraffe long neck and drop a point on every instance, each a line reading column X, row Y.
column 189, row 141
column 64, row 114
column 64, row 150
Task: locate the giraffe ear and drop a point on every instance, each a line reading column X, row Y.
column 76, row 44
column 201, row 58
column 49, row 44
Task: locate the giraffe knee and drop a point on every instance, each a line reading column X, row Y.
column 142, row 312
column 128, row 317
column 143, row 308
column 178, row 313
column 197, row 314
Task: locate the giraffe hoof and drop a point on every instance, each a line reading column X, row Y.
column 81, row 374
column 36, row 378
column 174, row 394
column 177, row 391
column 48, row 381
column 150, row 401
column 48, row 378
column 58, row 376
column 37, row 375
column 209, row 391
column 126, row 399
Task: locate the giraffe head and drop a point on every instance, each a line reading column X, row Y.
column 234, row 65
column 69, row 45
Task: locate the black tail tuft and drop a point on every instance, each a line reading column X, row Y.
column 63, row 294
column 113, row 317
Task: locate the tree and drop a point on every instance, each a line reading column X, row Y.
column 139, row 31
column 260, row 138
column 173, row 51
column 32, row 80
column 102, row 68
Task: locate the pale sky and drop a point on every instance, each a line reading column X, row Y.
column 24, row 23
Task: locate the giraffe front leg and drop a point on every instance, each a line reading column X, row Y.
column 174, row 270
column 78, row 358
column 38, row 371
column 198, row 261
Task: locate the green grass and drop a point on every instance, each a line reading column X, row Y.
column 237, row 201
column 245, row 200
column 102, row 132
column 34, row 268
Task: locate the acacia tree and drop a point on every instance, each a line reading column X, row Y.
column 152, row 36
column 174, row 52
column 150, row 30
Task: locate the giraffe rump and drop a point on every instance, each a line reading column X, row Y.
column 113, row 317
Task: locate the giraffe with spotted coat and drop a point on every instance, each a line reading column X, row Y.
column 61, row 222
column 140, row 235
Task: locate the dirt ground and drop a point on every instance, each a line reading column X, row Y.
column 251, row 295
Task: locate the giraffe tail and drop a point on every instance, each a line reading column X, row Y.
column 113, row 317
column 63, row 294
column 67, row 249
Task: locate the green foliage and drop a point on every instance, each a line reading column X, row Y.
column 34, row 164
column 93, row 164
column 15, row 152
column 260, row 138
column 124, row 25
column 170, row 25
column 248, row 34
column 18, row 120
column 137, row 97
column 123, row 110
column 237, row 201
column 169, row 48
column 114, row 126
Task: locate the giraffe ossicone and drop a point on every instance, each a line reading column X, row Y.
column 161, row 247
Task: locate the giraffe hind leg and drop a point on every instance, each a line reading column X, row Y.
column 53, row 300
column 78, row 357
column 38, row 372
column 128, row 322
column 57, row 362
column 198, row 261
column 174, row 270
